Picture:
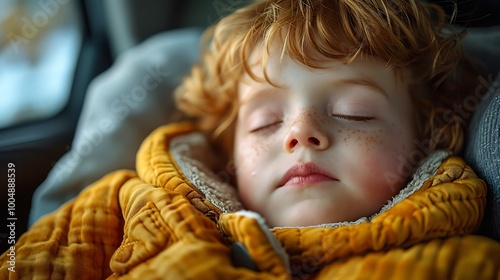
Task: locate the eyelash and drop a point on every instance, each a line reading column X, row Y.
column 344, row 117
column 354, row 118
column 265, row 127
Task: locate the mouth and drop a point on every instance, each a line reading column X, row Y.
column 305, row 174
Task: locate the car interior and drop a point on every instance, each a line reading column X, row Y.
column 107, row 36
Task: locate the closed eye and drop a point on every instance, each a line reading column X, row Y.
column 266, row 127
column 353, row 118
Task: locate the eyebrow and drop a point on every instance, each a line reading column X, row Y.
column 361, row 82
column 337, row 83
column 257, row 94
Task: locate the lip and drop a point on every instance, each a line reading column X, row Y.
column 305, row 174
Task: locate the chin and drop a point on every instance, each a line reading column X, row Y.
column 303, row 219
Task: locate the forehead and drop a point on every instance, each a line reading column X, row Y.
column 277, row 69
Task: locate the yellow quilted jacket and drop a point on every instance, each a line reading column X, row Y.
column 173, row 218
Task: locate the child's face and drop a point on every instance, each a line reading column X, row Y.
column 329, row 146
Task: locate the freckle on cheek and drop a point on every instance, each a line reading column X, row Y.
column 373, row 140
column 261, row 148
column 254, row 150
column 364, row 139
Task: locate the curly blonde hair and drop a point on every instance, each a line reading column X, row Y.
column 404, row 33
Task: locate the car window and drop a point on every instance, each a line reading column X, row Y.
column 39, row 46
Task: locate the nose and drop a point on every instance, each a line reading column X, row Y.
column 305, row 132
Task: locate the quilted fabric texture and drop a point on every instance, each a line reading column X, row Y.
column 156, row 224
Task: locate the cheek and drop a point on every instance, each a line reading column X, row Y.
column 378, row 180
column 383, row 169
column 248, row 147
column 361, row 140
column 244, row 156
column 244, row 170
column 249, row 155
column 250, row 158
